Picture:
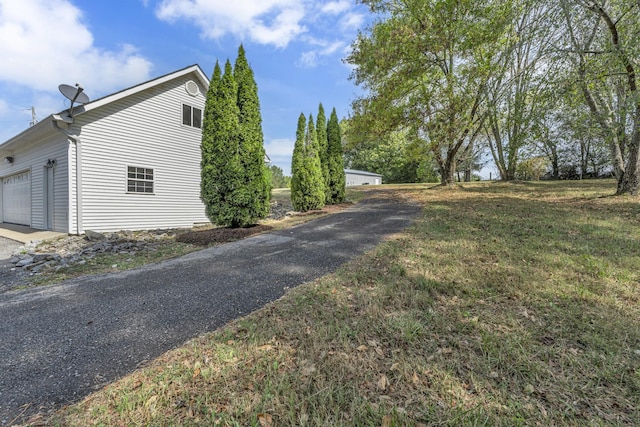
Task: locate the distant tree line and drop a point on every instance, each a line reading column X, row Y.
column 278, row 178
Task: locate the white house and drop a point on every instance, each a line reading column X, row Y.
column 356, row 177
column 129, row 160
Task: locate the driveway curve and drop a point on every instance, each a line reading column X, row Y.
column 59, row 343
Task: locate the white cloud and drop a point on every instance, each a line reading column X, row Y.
column 46, row 43
column 270, row 22
column 312, row 58
column 282, row 147
column 333, row 48
column 336, row 7
column 308, row 60
column 352, row 21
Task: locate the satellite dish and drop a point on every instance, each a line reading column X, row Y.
column 73, row 94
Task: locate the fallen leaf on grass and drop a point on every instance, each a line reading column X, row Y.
column 362, row 348
column 266, row 420
column 415, row 379
column 386, row 421
column 383, row 382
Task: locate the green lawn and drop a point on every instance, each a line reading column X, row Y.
column 503, row 305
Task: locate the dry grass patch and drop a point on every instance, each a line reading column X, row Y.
column 504, row 305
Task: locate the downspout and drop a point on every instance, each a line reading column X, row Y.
column 74, row 139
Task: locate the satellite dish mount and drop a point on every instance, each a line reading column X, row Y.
column 73, row 94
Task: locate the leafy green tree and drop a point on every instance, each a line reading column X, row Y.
column 252, row 154
column 278, row 178
column 394, row 156
column 321, row 130
column 425, row 66
column 335, row 161
column 603, row 51
column 516, row 90
column 222, row 183
column 307, row 182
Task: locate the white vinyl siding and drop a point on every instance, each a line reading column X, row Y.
column 356, row 177
column 34, row 157
column 144, row 130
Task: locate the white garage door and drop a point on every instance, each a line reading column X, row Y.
column 16, row 199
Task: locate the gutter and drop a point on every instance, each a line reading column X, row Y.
column 73, row 139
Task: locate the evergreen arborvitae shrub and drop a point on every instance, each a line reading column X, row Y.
column 210, row 145
column 223, row 189
column 323, row 152
column 337, row 179
column 297, row 165
column 235, row 182
column 307, row 186
column 252, row 154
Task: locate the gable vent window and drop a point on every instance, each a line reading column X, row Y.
column 139, row 180
column 191, row 116
column 192, row 88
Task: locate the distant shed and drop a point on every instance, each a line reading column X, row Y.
column 356, row 177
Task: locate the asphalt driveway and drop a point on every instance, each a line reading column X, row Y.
column 6, row 248
column 7, row 276
column 60, row 343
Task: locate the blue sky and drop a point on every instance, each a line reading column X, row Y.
column 295, row 48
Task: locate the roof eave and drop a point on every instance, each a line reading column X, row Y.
column 35, row 132
column 141, row 87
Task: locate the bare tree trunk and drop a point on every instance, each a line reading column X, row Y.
column 630, row 174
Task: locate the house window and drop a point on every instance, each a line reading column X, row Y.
column 139, row 180
column 191, row 116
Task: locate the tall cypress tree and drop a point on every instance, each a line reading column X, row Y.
column 223, row 193
column 321, row 130
column 315, row 185
column 297, row 167
column 307, row 188
column 210, row 145
column 252, row 154
column 336, row 161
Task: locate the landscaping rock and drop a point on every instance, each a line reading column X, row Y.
column 37, row 257
column 71, row 250
column 94, row 236
column 24, row 261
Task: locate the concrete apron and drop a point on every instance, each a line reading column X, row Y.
column 24, row 234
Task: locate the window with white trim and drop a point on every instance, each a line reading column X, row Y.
column 191, row 116
column 139, row 180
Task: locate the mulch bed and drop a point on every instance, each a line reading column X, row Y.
column 220, row 235
column 225, row 235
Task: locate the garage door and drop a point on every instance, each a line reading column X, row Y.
column 16, row 199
